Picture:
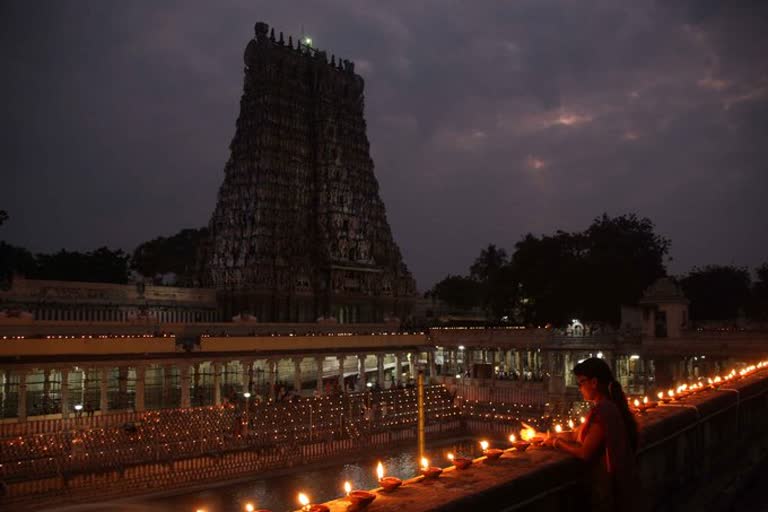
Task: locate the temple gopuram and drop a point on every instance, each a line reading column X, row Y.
column 299, row 232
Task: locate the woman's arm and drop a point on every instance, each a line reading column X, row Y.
column 587, row 449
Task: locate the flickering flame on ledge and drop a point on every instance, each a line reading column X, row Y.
column 450, row 457
column 347, row 488
column 424, row 463
column 303, row 499
column 484, row 445
column 582, row 420
column 558, row 428
column 512, row 438
column 570, row 424
column 380, row 470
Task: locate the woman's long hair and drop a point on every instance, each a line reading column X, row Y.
column 597, row 368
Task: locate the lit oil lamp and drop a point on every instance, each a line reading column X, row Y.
column 306, row 506
column 570, row 424
column 528, row 433
column 388, row 483
column 459, row 462
column 490, row 453
column 519, row 446
column 582, row 420
column 558, row 429
column 429, row 472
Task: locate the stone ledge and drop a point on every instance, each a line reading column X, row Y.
column 681, row 445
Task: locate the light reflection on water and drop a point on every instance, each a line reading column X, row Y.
column 279, row 493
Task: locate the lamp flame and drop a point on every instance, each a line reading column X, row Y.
column 582, row 420
column 450, row 457
column 570, row 424
column 347, row 488
column 303, row 499
column 424, row 463
column 380, row 470
column 558, row 428
column 512, row 438
column 249, row 507
column 484, row 445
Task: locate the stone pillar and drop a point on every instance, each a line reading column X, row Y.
column 103, row 398
column 216, row 383
column 380, row 370
column 431, row 361
column 342, row 388
column 46, row 386
column 297, row 374
column 22, row 409
column 184, row 382
column 138, row 404
column 413, row 365
column 64, row 393
column 398, row 368
column 361, row 372
column 319, row 379
column 166, row 395
column 272, row 365
column 122, row 386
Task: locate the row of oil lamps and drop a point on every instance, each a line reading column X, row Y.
column 528, row 435
column 642, row 405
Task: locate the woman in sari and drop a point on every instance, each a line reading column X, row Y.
column 607, row 440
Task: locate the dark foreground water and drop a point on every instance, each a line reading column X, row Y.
column 279, row 493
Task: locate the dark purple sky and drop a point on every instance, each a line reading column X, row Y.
column 487, row 120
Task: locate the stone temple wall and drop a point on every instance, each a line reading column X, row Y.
column 299, row 230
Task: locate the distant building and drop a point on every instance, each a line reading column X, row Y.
column 662, row 312
column 33, row 299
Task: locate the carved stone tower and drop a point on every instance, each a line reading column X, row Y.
column 299, row 231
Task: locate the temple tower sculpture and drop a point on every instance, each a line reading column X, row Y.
column 299, row 231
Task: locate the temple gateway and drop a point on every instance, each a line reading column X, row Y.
column 299, row 232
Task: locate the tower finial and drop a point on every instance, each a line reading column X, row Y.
column 272, row 34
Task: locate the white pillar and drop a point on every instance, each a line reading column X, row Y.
column 103, row 398
column 184, row 382
column 319, row 365
column 361, row 372
column 139, row 397
column 380, row 370
column 64, row 393
column 297, row 374
column 341, row 359
column 216, row 383
column 398, row 368
column 22, row 408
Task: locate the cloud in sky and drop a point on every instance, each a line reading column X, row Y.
column 487, row 120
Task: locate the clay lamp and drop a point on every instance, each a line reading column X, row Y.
column 249, row 507
column 388, row 483
column 460, row 462
column 646, row 404
column 306, row 506
column 519, row 446
column 490, row 453
column 663, row 398
column 429, row 472
column 359, row 499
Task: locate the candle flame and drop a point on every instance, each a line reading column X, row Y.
column 671, row 393
column 512, row 438
column 645, row 399
column 450, row 457
column 582, row 420
column 484, row 445
column 249, row 507
column 637, row 402
column 558, row 428
column 424, row 463
column 380, row 470
column 347, row 488
column 303, row 499
column 570, row 424
column 660, row 394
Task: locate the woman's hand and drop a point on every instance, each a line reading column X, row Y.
column 550, row 441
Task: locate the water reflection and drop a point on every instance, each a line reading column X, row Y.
column 279, row 493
